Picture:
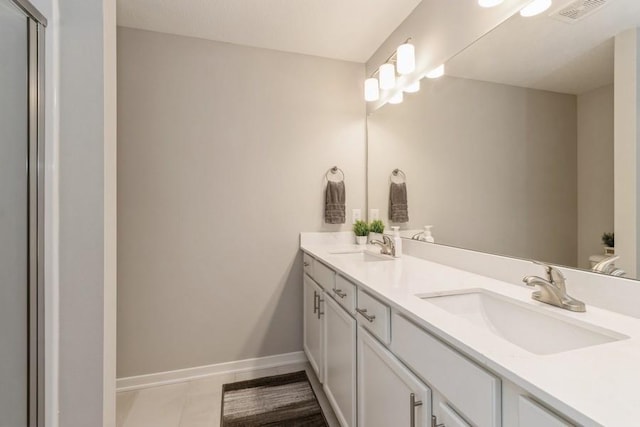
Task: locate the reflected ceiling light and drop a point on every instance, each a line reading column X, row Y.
column 406, row 58
column 413, row 88
column 436, row 72
column 387, row 74
column 534, row 8
column 489, row 3
column 397, row 98
column 371, row 90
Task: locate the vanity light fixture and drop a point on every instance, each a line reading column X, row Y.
column 397, row 98
column 406, row 58
column 384, row 78
column 413, row 87
column 371, row 89
column 387, row 74
column 436, row 72
column 534, row 8
column 489, row 3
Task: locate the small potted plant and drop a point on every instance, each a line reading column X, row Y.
column 376, row 228
column 361, row 229
column 608, row 240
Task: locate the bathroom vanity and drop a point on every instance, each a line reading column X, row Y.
column 412, row 342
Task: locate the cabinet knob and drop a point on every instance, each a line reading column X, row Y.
column 413, row 404
column 363, row 313
column 306, row 264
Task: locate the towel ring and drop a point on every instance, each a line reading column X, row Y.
column 397, row 172
column 334, row 171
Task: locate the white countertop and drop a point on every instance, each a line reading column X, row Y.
column 595, row 385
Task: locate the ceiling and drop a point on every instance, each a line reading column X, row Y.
column 545, row 53
column 347, row 30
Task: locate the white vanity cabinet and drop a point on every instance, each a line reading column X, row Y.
column 388, row 393
column 313, row 312
column 380, row 368
column 340, row 362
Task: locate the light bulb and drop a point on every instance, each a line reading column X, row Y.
column 413, row 88
column 371, row 90
column 387, row 74
column 397, row 98
column 436, row 72
column 489, row 3
column 535, row 8
column 406, row 58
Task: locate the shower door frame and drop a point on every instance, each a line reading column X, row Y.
column 36, row 24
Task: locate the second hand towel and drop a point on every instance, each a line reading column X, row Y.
column 398, row 207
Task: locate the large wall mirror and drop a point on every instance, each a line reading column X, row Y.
column 526, row 147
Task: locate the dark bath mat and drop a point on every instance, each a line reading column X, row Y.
column 281, row 400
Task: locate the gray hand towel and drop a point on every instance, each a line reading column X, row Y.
column 335, row 196
column 398, row 208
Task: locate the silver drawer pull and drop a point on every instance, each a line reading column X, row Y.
column 340, row 293
column 434, row 422
column 413, row 404
column 306, row 264
column 363, row 313
column 315, row 302
column 320, row 300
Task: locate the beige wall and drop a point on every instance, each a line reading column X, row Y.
column 595, row 171
column 492, row 167
column 222, row 152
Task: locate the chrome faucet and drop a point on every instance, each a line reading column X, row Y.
column 606, row 266
column 387, row 247
column 553, row 289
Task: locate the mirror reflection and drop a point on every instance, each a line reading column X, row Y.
column 526, row 147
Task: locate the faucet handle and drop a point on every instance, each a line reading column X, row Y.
column 553, row 274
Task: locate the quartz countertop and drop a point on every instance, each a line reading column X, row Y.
column 596, row 385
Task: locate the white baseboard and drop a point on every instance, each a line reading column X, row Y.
column 170, row 377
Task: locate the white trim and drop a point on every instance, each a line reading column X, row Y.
column 180, row 375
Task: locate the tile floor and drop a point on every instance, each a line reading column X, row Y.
column 197, row 403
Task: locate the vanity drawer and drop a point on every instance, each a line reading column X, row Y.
column 323, row 275
column 374, row 316
column 470, row 389
column 307, row 262
column 345, row 293
column 530, row 414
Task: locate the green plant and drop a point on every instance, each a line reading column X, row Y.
column 608, row 239
column 376, row 226
column 361, row 228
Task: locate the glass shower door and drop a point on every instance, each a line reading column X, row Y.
column 19, row 233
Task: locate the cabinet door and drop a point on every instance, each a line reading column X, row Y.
column 445, row 415
column 388, row 393
column 313, row 325
column 340, row 362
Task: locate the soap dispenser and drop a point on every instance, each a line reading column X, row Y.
column 427, row 234
column 397, row 241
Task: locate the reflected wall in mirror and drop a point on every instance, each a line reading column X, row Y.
column 513, row 150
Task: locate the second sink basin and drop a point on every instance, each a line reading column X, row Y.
column 363, row 255
column 526, row 326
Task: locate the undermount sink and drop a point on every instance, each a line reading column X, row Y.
column 363, row 255
column 530, row 328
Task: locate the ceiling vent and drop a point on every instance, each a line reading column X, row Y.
column 578, row 10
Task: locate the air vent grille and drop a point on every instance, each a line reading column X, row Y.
column 578, row 10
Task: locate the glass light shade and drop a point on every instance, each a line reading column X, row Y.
column 406, row 58
column 387, row 75
column 436, row 72
column 397, row 98
column 371, row 90
column 535, row 8
column 489, row 3
column 413, row 88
